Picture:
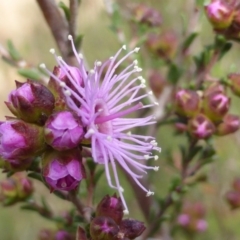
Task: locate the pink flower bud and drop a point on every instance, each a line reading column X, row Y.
column 233, row 199
column 187, row 103
column 31, row 102
column 63, row 131
column 63, row 235
column 111, row 207
column 144, row 14
column 230, row 124
column 236, row 184
column 156, row 82
column 20, row 140
column 162, row 45
column 63, row 170
column 131, row 228
column 15, row 188
column 103, row 228
column 215, row 104
column 220, row 13
column 183, row 219
column 201, row 225
column 201, row 127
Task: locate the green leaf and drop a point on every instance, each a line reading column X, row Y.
column 174, row 73
column 175, row 196
column 65, row 9
column 59, row 194
column 176, row 181
column 13, row 51
column 189, row 40
column 36, row 176
column 194, row 151
column 225, row 49
column 31, row 74
column 78, row 41
column 29, row 207
column 97, row 175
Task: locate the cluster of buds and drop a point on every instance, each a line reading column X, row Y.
column 15, row 188
column 46, row 128
column 146, row 15
column 225, row 17
column 233, row 196
column 192, row 218
column 206, row 113
column 109, row 224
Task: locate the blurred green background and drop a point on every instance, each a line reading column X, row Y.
column 22, row 22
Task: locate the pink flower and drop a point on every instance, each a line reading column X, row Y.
column 104, row 102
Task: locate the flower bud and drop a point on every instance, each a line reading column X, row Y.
column 17, row 165
column 131, row 228
column 81, row 234
column 20, row 140
column 201, row 127
column 111, row 207
column 63, row 131
column 187, row 103
column 235, row 83
column 56, row 89
column 201, row 225
column 230, row 124
column 103, row 228
column 31, row 102
column 233, row 199
column 220, row 13
column 156, row 82
column 16, row 188
column 63, row 235
column 215, row 104
column 162, row 45
column 63, row 170
column 183, row 219
column 147, row 15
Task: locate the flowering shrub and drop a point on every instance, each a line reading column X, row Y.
column 73, row 124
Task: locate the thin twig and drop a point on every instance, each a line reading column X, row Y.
column 59, row 28
column 73, row 6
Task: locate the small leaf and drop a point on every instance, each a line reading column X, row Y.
column 174, row 73
column 175, row 196
column 59, row 194
column 187, row 43
column 13, row 51
column 225, row 49
column 65, row 9
column 97, row 175
column 29, row 207
column 78, row 41
column 36, row 176
column 32, row 74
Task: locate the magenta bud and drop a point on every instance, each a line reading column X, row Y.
column 72, row 79
column 81, row 234
column 233, row 199
column 103, row 228
column 63, row 235
column 187, row 103
column 201, row 225
column 215, row 104
column 147, row 15
column 63, row 170
column 183, row 219
column 63, row 131
column 201, row 127
column 111, row 207
column 20, row 140
column 17, row 165
column 181, row 127
column 31, row 102
column 230, row 124
column 220, row 13
column 131, row 228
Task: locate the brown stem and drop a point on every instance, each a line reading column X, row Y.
column 168, row 199
column 59, row 28
column 73, row 6
column 72, row 196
